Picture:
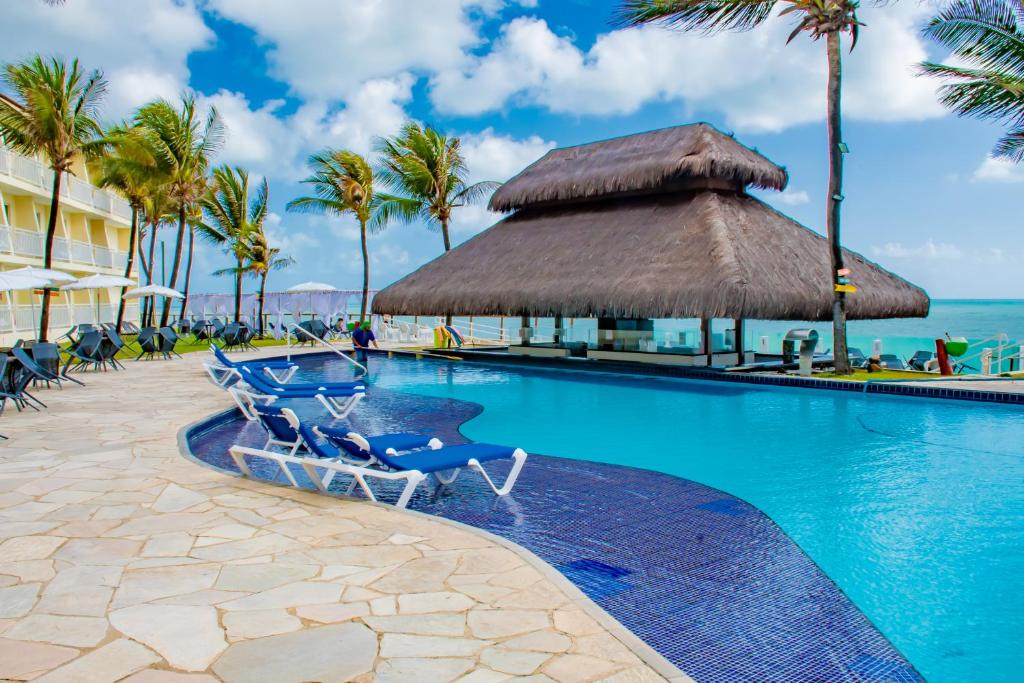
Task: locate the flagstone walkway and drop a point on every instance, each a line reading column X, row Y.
column 121, row 560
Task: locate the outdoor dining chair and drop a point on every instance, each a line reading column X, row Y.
column 168, row 340
column 84, row 353
column 149, row 342
column 37, row 372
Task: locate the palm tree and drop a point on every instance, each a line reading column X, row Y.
column 818, row 18
column 264, row 258
column 158, row 209
column 343, row 184
column 194, row 218
column 232, row 219
column 987, row 38
column 429, row 171
column 184, row 146
column 57, row 118
column 130, row 168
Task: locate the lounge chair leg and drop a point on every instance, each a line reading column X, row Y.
column 314, row 476
column 414, row 480
column 519, row 456
column 240, row 462
column 287, row 473
column 441, row 480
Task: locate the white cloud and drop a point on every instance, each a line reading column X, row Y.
column 277, row 146
column 289, row 240
column 325, row 48
column 999, row 170
column 143, row 45
column 792, row 197
column 945, row 269
column 491, row 156
column 758, row 81
column 929, row 250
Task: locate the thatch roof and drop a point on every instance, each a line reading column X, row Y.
column 663, row 160
column 692, row 254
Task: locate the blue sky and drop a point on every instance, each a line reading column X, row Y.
column 516, row 77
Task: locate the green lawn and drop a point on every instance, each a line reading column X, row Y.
column 865, row 376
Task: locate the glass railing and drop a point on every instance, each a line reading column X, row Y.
column 76, row 189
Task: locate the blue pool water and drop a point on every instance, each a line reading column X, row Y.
column 914, row 507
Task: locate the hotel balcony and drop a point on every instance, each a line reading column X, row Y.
column 92, row 237
column 78, row 194
column 28, row 246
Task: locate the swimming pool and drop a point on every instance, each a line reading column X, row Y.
column 913, row 507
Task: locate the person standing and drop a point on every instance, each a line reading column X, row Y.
column 362, row 337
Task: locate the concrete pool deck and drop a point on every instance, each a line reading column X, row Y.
column 121, row 560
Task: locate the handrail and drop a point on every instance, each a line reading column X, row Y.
column 994, row 353
column 288, row 329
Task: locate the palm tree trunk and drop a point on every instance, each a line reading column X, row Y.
column 447, row 248
column 130, row 264
column 188, row 272
column 51, row 230
column 165, row 316
column 263, row 289
column 238, row 291
column 835, row 198
column 366, row 272
column 150, row 302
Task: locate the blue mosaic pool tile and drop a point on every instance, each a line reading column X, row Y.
column 727, row 506
column 598, row 580
column 706, row 579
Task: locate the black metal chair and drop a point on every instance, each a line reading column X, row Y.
column 17, row 386
column 168, row 339
column 37, row 372
column 84, row 353
column 47, row 355
column 245, row 336
column 149, row 342
column 231, row 336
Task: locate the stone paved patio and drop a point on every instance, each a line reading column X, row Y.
column 120, row 560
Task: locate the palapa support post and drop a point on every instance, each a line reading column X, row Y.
column 558, row 329
column 705, row 338
column 524, row 330
column 738, row 338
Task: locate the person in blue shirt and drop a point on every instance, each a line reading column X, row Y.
column 362, row 337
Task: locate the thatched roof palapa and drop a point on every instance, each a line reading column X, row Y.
column 635, row 164
column 648, row 238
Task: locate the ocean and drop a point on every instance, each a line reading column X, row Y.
column 976, row 319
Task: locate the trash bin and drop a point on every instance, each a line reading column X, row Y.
column 799, row 345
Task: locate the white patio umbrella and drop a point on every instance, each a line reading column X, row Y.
column 53, row 277
column 56, row 277
column 98, row 282
column 16, row 280
column 311, row 288
column 153, row 290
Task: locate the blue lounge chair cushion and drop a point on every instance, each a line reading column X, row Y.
column 265, row 383
column 275, row 422
column 272, row 364
column 447, row 458
column 404, row 441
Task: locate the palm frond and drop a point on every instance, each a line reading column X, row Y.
column 984, row 33
column 701, row 15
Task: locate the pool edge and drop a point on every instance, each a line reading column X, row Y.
column 647, row 654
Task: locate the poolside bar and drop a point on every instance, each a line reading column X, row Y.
column 645, row 228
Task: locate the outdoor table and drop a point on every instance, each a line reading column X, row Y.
column 208, row 327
